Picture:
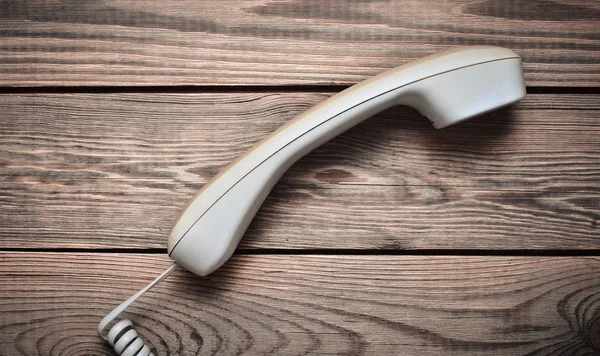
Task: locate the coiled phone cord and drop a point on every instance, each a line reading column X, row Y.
column 122, row 337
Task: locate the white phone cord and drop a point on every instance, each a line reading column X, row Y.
column 121, row 336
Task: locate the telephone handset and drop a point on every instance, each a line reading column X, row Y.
column 448, row 87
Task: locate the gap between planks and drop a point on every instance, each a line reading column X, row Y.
column 86, row 89
column 330, row 252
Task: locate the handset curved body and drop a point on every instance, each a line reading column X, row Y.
column 448, row 87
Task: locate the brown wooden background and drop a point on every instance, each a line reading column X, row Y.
column 394, row 238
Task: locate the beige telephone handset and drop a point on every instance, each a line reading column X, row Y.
column 447, row 87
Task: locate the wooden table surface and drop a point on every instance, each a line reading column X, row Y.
column 394, row 238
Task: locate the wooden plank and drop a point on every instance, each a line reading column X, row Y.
column 378, row 305
column 294, row 42
column 115, row 170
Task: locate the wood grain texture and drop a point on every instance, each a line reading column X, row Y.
column 115, row 170
column 353, row 305
column 108, row 168
column 323, row 42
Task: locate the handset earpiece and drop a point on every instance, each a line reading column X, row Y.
column 448, row 88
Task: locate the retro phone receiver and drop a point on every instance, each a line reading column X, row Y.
column 447, row 88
